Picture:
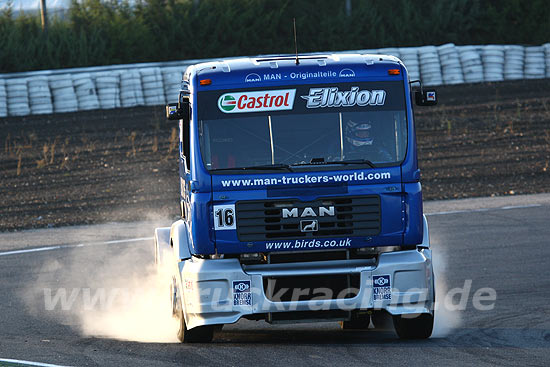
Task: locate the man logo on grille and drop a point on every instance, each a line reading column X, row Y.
column 309, row 225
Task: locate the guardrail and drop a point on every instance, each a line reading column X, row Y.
column 151, row 84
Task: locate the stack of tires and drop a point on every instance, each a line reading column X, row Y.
column 153, row 91
column 85, row 92
column 534, row 62
column 64, row 97
column 107, row 88
column 513, row 62
column 547, row 55
column 389, row 51
column 172, row 82
column 409, row 56
column 3, row 99
column 430, row 68
column 472, row 67
column 17, row 97
column 493, row 63
column 131, row 93
column 450, row 64
column 40, row 97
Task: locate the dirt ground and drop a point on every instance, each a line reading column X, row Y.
column 487, row 139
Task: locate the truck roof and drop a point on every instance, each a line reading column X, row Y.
column 282, row 69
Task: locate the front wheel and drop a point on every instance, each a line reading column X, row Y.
column 356, row 322
column 199, row 334
column 419, row 327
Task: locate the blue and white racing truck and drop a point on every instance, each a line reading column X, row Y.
column 300, row 196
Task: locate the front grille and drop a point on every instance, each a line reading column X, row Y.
column 306, row 288
column 355, row 216
column 296, row 257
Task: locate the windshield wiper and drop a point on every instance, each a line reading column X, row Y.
column 276, row 166
column 353, row 161
column 321, row 162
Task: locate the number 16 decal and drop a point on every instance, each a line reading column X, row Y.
column 224, row 217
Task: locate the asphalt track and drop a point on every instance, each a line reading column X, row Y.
column 498, row 243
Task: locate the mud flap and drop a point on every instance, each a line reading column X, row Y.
column 162, row 245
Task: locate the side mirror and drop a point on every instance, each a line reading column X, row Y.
column 172, row 112
column 426, row 97
column 180, row 110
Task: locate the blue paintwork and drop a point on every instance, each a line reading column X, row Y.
column 401, row 196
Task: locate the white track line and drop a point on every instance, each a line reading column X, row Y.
column 49, row 248
column 484, row 209
column 28, row 363
column 29, row 250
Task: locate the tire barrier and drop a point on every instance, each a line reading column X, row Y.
column 108, row 90
column 409, row 56
column 153, row 89
column 18, row 97
column 86, row 95
column 493, row 63
column 171, row 78
column 472, row 68
column 451, row 69
column 430, row 67
column 107, row 87
column 513, row 62
column 64, row 97
column 131, row 91
column 3, row 99
column 40, row 97
column 534, row 62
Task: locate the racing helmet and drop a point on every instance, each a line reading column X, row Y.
column 359, row 133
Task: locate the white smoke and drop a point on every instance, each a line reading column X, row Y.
column 108, row 291
column 447, row 318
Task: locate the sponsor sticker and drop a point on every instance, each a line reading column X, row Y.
column 224, row 217
column 381, row 287
column 242, row 295
column 271, row 100
column 430, row 96
column 346, row 73
column 333, row 97
column 252, row 77
column 188, row 285
column 309, row 225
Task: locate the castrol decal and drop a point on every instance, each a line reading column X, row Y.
column 271, row 100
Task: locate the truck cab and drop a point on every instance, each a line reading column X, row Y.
column 300, row 195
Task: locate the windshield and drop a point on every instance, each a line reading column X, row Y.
column 300, row 136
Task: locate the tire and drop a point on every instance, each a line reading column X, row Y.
column 382, row 320
column 357, row 322
column 419, row 327
column 199, row 334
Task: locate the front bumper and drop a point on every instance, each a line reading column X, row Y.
column 221, row 292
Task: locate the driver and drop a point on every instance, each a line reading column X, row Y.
column 362, row 144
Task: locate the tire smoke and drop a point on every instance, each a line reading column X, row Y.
column 446, row 319
column 106, row 291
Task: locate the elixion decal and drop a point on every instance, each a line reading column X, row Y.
column 272, row 100
column 332, row 97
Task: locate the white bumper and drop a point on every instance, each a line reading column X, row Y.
column 220, row 291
